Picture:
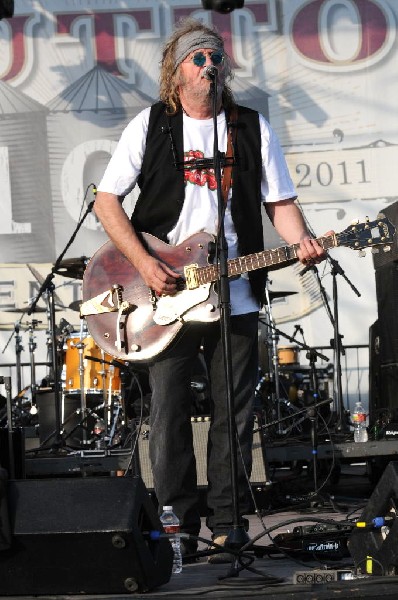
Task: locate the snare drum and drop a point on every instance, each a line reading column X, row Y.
column 288, row 355
column 97, row 376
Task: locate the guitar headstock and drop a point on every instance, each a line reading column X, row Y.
column 369, row 234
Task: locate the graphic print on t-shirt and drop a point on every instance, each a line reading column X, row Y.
column 200, row 177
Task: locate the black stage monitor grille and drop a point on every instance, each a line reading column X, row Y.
column 382, row 258
column 74, row 536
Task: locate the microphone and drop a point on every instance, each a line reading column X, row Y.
column 210, row 72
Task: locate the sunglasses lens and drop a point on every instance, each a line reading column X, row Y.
column 199, row 59
column 216, row 58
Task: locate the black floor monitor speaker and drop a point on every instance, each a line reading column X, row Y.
column 375, row 550
column 82, row 535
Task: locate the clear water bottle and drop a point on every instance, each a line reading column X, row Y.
column 359, row 422
column 171, row 526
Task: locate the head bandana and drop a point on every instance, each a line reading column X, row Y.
column 195, row 40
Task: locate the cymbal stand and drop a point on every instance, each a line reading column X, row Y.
column 18, row 350
column 32, row 348
column 274, row 362
column 7, row 383
column 313, row 416
column 48, row 287
column 83, row 404
column 106, row 394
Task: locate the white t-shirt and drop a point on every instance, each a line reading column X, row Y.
column 200, row 211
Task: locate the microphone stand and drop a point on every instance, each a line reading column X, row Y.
column 237, row 536
column 342, row 424
column 48, row 288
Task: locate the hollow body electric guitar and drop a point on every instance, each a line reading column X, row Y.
column 128, row 321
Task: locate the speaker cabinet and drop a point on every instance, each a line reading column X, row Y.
column 380, row 544
column 200, row 430
column 82, row 535
column 382, row 258
column 387, row 307
column 12, row 451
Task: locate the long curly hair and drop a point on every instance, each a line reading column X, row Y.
column 169, row 75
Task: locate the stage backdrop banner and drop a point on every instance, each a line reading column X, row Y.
column 73, row 74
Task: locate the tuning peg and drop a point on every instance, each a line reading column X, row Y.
column 361, row 253
column 355, row 222
column 386, row 248
column 374, row 250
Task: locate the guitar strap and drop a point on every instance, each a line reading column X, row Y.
column 226, row 180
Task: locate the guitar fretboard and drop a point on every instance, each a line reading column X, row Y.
column 259, row 260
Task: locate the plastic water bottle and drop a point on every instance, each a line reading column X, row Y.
column 359, row 421
column 171, row 526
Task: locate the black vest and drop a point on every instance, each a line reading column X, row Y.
column 162, row 183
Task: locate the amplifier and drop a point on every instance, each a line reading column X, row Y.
column 382, row 258
column 200, row 430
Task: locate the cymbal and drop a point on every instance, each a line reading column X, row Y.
column 274, row 295
column 72, row 267
column 25, row 309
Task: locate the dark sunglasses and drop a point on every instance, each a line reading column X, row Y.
column 199, row 58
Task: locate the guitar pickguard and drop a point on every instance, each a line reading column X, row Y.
column 172, row 308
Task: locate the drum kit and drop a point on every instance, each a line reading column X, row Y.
column 92, row 385
column 286, row 389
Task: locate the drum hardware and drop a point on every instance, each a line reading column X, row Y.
column 18, row 350
column 110, row 392
column 32, row 347
column 67, row 268
column 18, row 347
column 272, row 341
column 7, row 383
column 277, row 356
column 80, row 347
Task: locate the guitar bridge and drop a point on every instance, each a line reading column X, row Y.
column 191, row 276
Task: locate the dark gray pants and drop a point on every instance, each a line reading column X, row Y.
column 171, row 442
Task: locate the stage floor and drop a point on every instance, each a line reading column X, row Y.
column 338, row 503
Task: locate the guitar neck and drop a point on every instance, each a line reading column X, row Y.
column 260, row 260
